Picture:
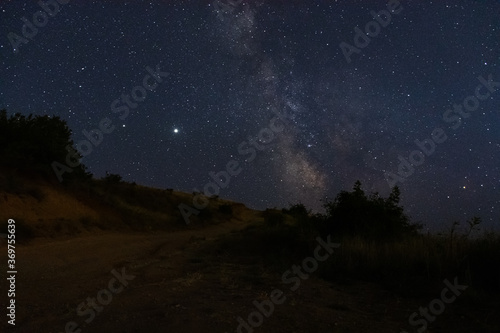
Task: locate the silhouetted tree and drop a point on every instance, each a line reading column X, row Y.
column 32, row 143
column 296, row 210
column 355, row 213
column 301, row 215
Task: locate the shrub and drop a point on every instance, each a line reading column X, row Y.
column 112, row 178
column 373, row 217
column 226, row 209
column 273, row 217
column 301, row 216
column 33, row 143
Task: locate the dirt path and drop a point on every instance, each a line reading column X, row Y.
column 167, row 287
column 54, row 277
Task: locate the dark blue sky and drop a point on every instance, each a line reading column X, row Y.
column 229, row 74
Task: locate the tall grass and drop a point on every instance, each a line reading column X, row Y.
column 413, row 264
column 420, row 259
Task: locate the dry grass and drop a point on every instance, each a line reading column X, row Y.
column 51, row 210
column 428, row 259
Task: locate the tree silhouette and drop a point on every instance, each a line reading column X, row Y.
column 31, row 143
column 374, row 217
column 301, row 215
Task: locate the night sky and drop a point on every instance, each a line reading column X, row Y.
column 283, row 88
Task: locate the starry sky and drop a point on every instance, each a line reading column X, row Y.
column 306, row 96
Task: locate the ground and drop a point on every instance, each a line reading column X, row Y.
column 176, row 285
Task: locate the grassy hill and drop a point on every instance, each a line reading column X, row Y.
column 43, row 208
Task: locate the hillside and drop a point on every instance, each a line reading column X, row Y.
column 43, row 208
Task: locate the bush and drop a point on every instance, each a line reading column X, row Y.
column 112, row 178
column 301, row 216
column 372, row 217
column 226, row 209
column 273, row 217
column 33, row 143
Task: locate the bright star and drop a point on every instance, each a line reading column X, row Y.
column 176, row 130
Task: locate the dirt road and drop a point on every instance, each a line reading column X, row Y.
column 55, row 276
column 157, row 282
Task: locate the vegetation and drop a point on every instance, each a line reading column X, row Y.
column 370, row 217
column 378, row 244
column 31, row 144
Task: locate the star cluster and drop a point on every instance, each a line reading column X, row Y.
column 234, row 66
